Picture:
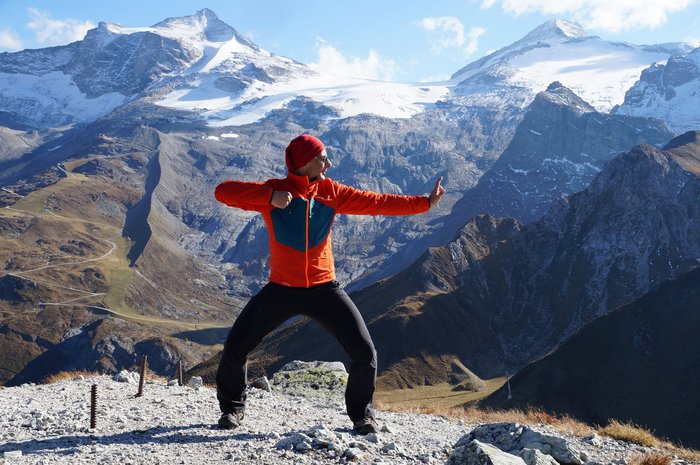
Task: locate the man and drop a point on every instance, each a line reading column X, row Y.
column 299, row 212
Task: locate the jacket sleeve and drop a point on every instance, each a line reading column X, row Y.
column 253, row 196
column 353, row 201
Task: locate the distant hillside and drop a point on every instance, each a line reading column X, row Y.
column 641, row 362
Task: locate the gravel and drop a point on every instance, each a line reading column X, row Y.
column 171, row 424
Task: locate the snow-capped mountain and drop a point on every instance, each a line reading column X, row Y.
column 200, row 64
column 598, row 71
column 196, row 63
column 669, row 92
column 235, row 82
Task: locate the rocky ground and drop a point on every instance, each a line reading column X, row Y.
column 299, row 420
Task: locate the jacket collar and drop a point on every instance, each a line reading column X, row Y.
column 301, row 183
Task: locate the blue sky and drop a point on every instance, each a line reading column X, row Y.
column 399, row 40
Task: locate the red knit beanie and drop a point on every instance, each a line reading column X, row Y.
column 302, row 150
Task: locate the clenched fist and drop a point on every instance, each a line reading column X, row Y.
column 281, row 199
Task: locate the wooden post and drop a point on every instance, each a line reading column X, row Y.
column 93, row 407
column 142, row 376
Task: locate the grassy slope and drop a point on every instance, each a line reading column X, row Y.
column 61, row 207
column 438, row 396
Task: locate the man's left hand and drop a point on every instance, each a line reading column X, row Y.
column 437, row 193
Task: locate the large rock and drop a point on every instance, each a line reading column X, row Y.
column 315, row 379
column 476, row 452
column 515, row 438
column 317, row 437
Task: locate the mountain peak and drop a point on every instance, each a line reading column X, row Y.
column 556, row 29
column 205, row 22
column 561, row 95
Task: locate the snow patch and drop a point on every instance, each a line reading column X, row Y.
column 38, row 96
column 519, row 171
column 350, row 97
column 579, row 168
column 599, row 72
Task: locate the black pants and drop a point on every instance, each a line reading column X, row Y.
column 328, row 305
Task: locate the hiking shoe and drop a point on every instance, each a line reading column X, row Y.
column 366, row 425
column 230, row 420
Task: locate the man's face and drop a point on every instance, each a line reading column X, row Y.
column 317, row 167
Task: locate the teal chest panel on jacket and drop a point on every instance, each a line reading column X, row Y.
column 290, row 223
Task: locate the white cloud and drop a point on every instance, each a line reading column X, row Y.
column 450, row 34
column 9, row 40
column 51, row 31
column 450, row 31
column 694, row 41
column 332, row 61
column 606, row 15
column 473, row 44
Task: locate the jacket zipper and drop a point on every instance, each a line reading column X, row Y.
column 306, row 253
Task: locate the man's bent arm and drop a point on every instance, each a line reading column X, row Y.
column 244, row 195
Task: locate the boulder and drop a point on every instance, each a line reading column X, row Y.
column 293, row 442
column 514, row 438
column 311, row 379
column 195, row 382
column 125, row 376
column 262, row 383
column 476, row 452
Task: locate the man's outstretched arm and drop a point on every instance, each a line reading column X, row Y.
column 353, row 201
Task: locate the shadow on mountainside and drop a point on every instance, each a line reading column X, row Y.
column 204, row 336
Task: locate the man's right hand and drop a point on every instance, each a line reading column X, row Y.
column 281, row 199
column 437, row 193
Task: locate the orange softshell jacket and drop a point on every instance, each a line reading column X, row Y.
column 300, row 235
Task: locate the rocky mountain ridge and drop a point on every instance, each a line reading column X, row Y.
column 557, row 150
column 668, row 92
column 616, row 366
